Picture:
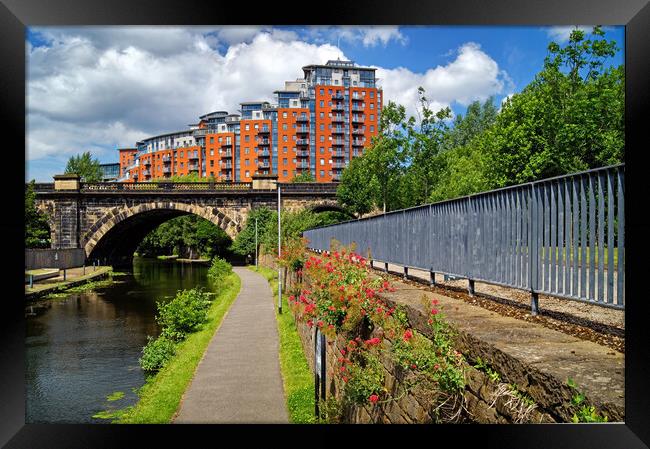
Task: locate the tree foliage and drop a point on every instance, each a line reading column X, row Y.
column 85, row 166
column 37, row 230
column 187, row 236
column 569, row 118
column 305, row 176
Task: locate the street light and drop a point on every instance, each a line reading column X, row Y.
column 255, row 242
column 279, row 254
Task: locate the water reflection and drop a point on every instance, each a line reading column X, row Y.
column 81, row 348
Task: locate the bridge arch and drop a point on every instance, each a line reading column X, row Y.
column 327, row 206
column 115, row 236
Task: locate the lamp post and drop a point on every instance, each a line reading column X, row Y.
column 279, row 254
column 255, row 242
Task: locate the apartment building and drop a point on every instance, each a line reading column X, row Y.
column 317, row 124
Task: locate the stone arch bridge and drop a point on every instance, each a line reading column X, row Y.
column 109, row 220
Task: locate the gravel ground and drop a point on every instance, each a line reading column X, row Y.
column 599, row 324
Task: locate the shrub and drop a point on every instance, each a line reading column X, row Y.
column 219, row 270
column 156, row 353
column 184, row 314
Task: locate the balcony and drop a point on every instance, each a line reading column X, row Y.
column 303, row 153
column 146, row 162
column 228, row 153
column 264, row 142
column 264, row 130
column 302, row 142
column 357, row 108
column 167, row 170
column 338, row 164
column 194, row 155
column 338, row 154
column 302, row 165
column 167, row 159
column 302, row 118
column 303, row 129
column 358, row 118
column 338, row 118
column 227, row 144
column 146, row 172
column 261, row 164
column 358, row 131
column 337, row 131
column 338, row 107
column 264, row 153
column 338, row 142
column 338, row 96
column 193, row 167
column 357, row 98
column 358, row 142
column 226, row 166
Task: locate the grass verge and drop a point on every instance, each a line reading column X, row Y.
column 161, row 395
column 297, row 377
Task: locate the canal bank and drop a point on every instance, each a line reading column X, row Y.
column 72, row 278
column 85, row 346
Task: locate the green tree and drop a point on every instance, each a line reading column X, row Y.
column 85, row 166
column 244, row 243
column 37, row 230
column 570, row 118
column 305, row 176
column 358, row 188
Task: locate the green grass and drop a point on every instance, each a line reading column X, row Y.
column 161, row 395
column 297, row 377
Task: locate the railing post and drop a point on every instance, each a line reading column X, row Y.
column 533, row 251
column 31, row 281
column 385, row 267
column 432, row 278
column 470, row 287
column 64, row 274
column 406, row 273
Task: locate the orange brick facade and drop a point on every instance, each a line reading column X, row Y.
column 318, row 125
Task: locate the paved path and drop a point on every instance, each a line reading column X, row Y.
column 239, row 379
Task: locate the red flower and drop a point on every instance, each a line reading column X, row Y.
column 319, row 324
column 408, row 335
column 310, row 323
column 373, row 398
column 413, row 366
column 373, row 341
column 343, row 351
column 434, row 311
column 345, row 379
column 435, row 302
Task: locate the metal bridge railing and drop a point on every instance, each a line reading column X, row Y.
column 562, row 236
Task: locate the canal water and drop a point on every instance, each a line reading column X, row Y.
column 86, row 346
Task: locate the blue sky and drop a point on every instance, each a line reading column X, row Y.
column 99, row 88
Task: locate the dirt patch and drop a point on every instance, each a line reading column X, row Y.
column 582, row 320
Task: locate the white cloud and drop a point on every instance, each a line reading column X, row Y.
column 472, row 76
column 561, row 34
column 100, row 89
column 368, row 36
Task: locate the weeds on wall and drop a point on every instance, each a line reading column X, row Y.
column 343, row 301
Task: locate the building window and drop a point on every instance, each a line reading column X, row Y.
column 211, row 162
column 257, row 126
column 247, row 173
column 322, row 115
column 322, row 104
column 247, row 162
column 322, row 138
column 247, row 150
column 284, row 173
column 322, row 173
column 247, row 138
column 322, row 91
column 182, row 154
column 212, row 152
column 284, row 138
column 372, row 128
column 322, row 150
column 372, row 105
column 322, row 162
column 372, row 94
column 284, row 150
column 284, row 126
column 284, row 161
column 322, row 127
column 372, row 117
column 247, row 128
column 284, row 115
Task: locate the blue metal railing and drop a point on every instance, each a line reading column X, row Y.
column 563, row 236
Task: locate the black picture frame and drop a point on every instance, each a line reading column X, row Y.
column 15, row 15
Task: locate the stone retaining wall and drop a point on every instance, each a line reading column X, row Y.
column 485, row 400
